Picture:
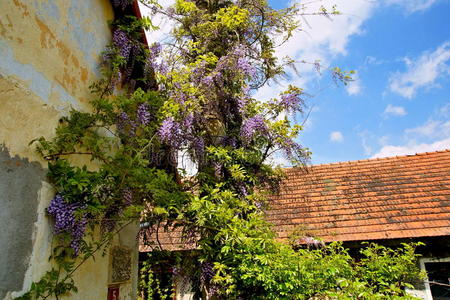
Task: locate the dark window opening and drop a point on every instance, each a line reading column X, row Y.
column 439, row 279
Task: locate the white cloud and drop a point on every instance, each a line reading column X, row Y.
column 383, row 140
column 426, row 129
column 336, row 136
column 365, row 137
column 432, row 135
column 394, row 110
column 322, row 38
column 353, row 88
column 421, row 72
column 431, row 129
column 165, row 25
column 412, row 5
column 272, row 89
column 278, row 159
column 444, row 111
column 412, row 148
column 373, row 61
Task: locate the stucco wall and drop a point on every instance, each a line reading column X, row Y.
column 17, row 203
column 49, row 55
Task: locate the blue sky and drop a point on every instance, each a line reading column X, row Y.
column 399, row 102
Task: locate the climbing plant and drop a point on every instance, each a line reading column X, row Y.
column 177, row 141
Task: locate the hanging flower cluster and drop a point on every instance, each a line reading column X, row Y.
column 66, row 221
column 123, row 43
column 254, row 126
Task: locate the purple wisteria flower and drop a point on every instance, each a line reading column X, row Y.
column 66, row 222
column 290, row 102
column 258, row 205
column 162, row 68
column 245, row 67
column 241, row 102
column 121, row 41
column 252, row 126
column 198, row 72
column 198, row 144
column 151, row 62
column 143, row 114
column 292, row 150
column 188, row 122
column 218, row 78
column 170, row 132
column 239, row 51
column 122, row 121
column 155, row 49
column 224, row 64
column 179, row 96
column 206, row 276
column 229, row 141
column 175, row 133
column 207, row 272
column 235, row 61
column 208, row 81
column 242, row 188
column 125, row 124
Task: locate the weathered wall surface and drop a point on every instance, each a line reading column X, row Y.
column 18, row 189
column 49, row 55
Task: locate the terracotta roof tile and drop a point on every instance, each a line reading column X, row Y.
column 373, row 199
column 395, row 197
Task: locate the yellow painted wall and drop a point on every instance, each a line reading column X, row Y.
column 49, row 55
column 50, row 52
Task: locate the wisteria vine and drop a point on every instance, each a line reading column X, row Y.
column 181, row 144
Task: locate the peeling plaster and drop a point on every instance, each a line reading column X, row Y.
column 49, row 55
column 19, row 186
column 47, row 8
column 61, row 40
column 38, row 83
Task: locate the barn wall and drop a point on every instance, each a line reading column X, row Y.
column 49, row 55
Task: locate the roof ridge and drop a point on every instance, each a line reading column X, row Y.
column 372, row 159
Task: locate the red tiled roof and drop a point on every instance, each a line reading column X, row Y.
column 374, row 199
column 395, row 197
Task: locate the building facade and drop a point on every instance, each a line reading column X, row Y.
column 49, row 55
